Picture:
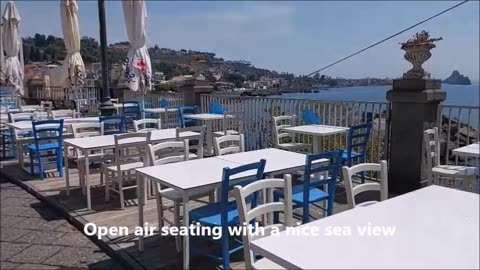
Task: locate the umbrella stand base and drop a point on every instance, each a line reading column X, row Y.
column 106, row 107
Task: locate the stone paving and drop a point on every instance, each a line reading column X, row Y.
column 34, row 236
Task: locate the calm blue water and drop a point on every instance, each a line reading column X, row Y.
column 456, row 94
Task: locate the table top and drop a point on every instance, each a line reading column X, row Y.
column 471, row 150
column 27, row 125
column 277, row 160
column 208, row 171
column 160, row 110
column 318, row 130
column 109, row 141
column 120, row 105
column 435, row 227
column 204, row 116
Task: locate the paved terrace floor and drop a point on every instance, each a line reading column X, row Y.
column 160, row 252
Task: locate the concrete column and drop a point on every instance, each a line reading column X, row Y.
column 414, row 109
column 192, row 89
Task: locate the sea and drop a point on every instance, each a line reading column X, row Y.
column 457, row 95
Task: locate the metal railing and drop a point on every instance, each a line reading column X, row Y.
column 458, row 126
column 258, row 125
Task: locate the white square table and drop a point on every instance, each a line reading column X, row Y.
column 208, row 119
column 316, row 131
column 189, row 176
column 471, row 150
column 435, row 228
column 89, row 144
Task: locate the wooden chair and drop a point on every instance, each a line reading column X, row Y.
column 352, row 191
column 229, row 144
column 147, row 124
column 63, row 114
column 84, row 130
column 20, row 138
column 127, row 157
column 247, row 214
column 445, row 175
column 232, row 124
column 195, row 142
column 285, row 140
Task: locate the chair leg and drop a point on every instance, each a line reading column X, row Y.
column 120, row 190
column 211, row 196
column 107, row 186
column 158, row 198
column 32, row 169
column 59, row 161
column 176, row 221
column 225, row 248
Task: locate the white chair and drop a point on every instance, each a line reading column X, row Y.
column 56, row 114
column 352, row 191
column 232, row 124
column 229, row 144
column 285, row 140
column 128, row 156
column 21, row 138
column 196, row 142
column 83, row 130
column 445, row 175
column 30, row 108
column 142, row 124
column 164, row 153
column 268, row 207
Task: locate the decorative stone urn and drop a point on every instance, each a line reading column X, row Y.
column 417, row 55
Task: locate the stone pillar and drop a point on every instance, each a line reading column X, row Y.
column 192, row 89
column 414, row 109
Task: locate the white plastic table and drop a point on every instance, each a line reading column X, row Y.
column 27, row 125
column 471, row 150
column 89, row 144
column 316, row 131
column 435, row 228
column 189, row 176
column 208, row 119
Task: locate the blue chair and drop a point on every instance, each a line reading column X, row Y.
column 131, row 111
column 148, row 104
column 164, row 103
column 310, row 192
column 216, row 107
column 186, row 110
column 225, row 213
column 309, row 117
column 113, row 124
column 357, row 139
column 48, row 137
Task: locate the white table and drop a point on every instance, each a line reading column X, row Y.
column 208, row 119
column 27, row 125
column 159, row 111
column 436, row 227
column 89, row 144
column 316, row 131
column 471, row 150
column 187, row 177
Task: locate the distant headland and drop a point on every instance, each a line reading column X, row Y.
column 457, row 78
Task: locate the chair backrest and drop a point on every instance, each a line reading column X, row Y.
column 352, row 191
column 280, row 122
column 82, row 130
column 17, row 117
column 48, row 131
column 63, row 114
column 168, row 152
column 114, row 100
column 328, row 172
column 309, row 117
column 216, row 107
column 131, row 147
column 357, row 139
column 259, row 167
column 432, row 150
column 46, row 105
column 30, row 108
column 195, row 142
column 185, row 110
column 131, row 109
column 112, row 124
column 148, row 124
column 229, row 144
column 164, row 103
column 249, row 214
column 8, row 104
column 233, row 121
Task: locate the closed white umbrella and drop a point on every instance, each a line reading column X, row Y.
column 137, row 67
column 11, row 67
column 73, row 66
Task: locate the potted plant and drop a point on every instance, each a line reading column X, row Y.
column 417, row 52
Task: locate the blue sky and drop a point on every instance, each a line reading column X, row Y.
column 297, row 37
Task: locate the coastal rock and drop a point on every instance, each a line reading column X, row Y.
column 457, row 78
